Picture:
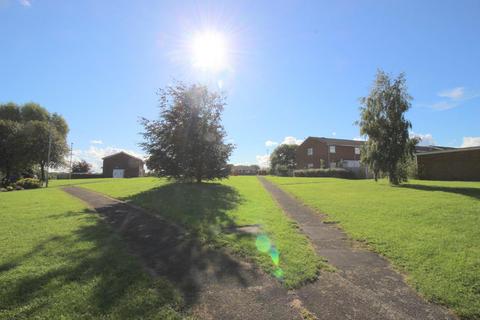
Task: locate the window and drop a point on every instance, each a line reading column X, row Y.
column 332, row 149
column 310, row 165
column 310, row 151
column 357, row 150
column 351, row 163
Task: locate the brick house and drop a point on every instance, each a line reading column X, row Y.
column 239, row 170
column 450, row 164
column 332, row 153
column 122, row 165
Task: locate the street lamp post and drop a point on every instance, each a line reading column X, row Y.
column 49, row 151
column 71, row 156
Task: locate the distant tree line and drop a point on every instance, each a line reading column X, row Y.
column 81, row 166
column 25, row 132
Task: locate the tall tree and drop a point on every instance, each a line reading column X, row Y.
column 284, row 159
column 187, row 142
column 25, row 132
column 38, row 136
column 382, row 120
column 81, row 167
column 12, row 157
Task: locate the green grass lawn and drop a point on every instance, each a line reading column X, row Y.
column 59, row 261
column 430, row 229
column 208, row 209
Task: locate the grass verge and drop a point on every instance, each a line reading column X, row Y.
column 57, row 260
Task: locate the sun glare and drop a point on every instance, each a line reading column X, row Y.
column 209, row 51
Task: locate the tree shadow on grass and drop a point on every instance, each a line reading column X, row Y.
column 201, row 208
column 179, row 251
column 465, row 191
column 84, row 273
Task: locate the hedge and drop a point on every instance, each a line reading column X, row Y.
column 332, row 172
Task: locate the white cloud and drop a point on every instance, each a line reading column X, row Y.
column 359, row 139
column 263, row 160
column 444, row 105
column 425, row 139
column 94, row 155
column 25, row 3
column 96, row 142
column 470, row 142
column 453, row 98
column 270, row 143
column 334, row 133
column 291, row 140
column 455, row 93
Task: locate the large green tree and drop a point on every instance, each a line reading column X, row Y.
column 12, row 156
column 25, row 132
column 187, row 142
column 283, row 159
column 382, row 120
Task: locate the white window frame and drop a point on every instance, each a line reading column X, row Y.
column 331, row 149
column 310, row 152
column 357, row 150
column 310, row 165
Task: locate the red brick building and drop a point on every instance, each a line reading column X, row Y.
column 122, row 165
column 332, row 153
column 450, row 164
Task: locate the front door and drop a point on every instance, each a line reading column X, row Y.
column 118, row 173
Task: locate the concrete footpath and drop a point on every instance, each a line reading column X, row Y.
column 214, row 284
column 364, row 285
column 217, row 285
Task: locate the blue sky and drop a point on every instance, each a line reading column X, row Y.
column 294, row 68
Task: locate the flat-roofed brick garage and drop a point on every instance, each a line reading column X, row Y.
column 457, row 164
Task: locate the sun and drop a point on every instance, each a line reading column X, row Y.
column 209, row 51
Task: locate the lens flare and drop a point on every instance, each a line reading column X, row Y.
column 278, row 273
column 275, row 255
column 263, row 243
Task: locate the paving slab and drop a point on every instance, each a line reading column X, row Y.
column 364, row 286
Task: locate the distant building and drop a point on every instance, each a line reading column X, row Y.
column 422, row 149
column 450, row 164
column 318, row 152
column 122, row 165
column 240, row 170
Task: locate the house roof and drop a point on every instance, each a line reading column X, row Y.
column 422, row 149
column 448, row 151
column 338, row 142
column 121, row 152
column 358, row 143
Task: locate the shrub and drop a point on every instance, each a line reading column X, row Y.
column 332, row 172
column 28, row 183
column 3, row 189
column 18, row 187
column 283, row 171
column 262, row 172
column 9, row 188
